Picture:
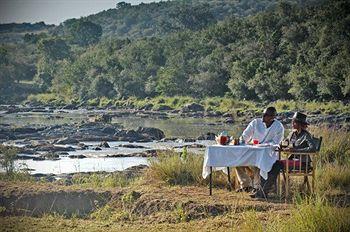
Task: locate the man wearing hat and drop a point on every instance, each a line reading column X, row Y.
column 266, row 130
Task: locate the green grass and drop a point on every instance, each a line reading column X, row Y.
column 218, row 104
column 310, row 214
column 173, row 169
column 97, row 180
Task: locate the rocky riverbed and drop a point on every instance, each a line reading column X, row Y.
column 95, row 133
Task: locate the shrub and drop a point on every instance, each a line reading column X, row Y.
column 8, row 155
column 172, row 169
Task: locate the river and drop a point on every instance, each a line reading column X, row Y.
column 174, row 126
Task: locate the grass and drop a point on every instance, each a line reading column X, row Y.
column 172, row 196
column 173, row 169
column 310, row 214
column 97, row 180
column 218, row 104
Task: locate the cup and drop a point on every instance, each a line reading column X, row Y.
column 255, row 141
column 223, row 140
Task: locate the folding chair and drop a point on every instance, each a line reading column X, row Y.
column 300, row 167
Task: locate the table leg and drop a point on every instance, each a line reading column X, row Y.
column 210, row 180
column 229, row 179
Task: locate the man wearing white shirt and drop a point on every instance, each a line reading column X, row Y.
column 266, row 130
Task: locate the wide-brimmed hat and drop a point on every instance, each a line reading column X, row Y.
column 300, row 117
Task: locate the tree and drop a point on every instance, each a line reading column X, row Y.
column 54, row 49
column 84, row 32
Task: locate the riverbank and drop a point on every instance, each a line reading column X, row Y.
column 170, row 194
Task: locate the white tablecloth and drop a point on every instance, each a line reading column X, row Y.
column 219, row 157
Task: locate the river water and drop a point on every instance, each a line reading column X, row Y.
column 97, row 160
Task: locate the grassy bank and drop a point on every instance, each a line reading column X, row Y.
column 218, row 104
column 171, row 195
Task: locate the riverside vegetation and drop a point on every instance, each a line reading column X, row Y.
column 267, row 51
column 228, row 56
column 171, row 195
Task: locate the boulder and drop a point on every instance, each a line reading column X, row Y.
column 229, row 120
column 207, row 136
column 67, row 141
column 108, row 130
column 164, row 107
column 77, row 156
column 131, row 146
column 192, row 107
column 153, row 133
column 104, row 144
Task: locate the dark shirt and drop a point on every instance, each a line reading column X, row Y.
column 302, row 142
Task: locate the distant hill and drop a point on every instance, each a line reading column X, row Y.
column 162, row 18
column 14, row 32
column 148, row 20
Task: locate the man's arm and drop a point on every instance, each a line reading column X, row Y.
column 248, row 132
column 278, row 136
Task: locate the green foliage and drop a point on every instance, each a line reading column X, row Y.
column 309, row 215
column 295, row 50
column 84, row 32
column 53, row 49
column 170, row 168
column 97, row 180
column 8, row 155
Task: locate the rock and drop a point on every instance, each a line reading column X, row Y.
column 24, row 157
column 229, row 120
column 192, row 107
column 25, row 130
column 151, row 132
column 83, row 146
column 77, row 156
column 98, row 149
column 50, row 156
column 148, row 106
column 164, row 107
column 186, row 140
column 207, row 136
column 69, row 107
column 52, row 148
column 67, row 141
column 109, row 130
column 104, row 144
column 38, row 158
column 105, row 118
column 131, row 146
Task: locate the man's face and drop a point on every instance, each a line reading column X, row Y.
column 268, row 119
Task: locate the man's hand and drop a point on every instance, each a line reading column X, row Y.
column 288, row 149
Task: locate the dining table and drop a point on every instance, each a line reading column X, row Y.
column 222, row 157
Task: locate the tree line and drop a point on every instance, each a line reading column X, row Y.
column 286, row 52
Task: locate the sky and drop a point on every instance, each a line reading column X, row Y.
column 54, row 11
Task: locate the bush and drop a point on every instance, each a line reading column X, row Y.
column 333, row 177
column 174, row 170
column 97, row 180
column 8, row 155
column 335, row 145
column 309, row 215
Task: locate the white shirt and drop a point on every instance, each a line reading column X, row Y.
column 257, row 130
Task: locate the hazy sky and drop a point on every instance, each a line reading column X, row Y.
column 54, row 11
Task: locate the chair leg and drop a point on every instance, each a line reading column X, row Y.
column 308, row 184
column 287, row 185
column 229, row 179
column 210, row 181
column 277, row 185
